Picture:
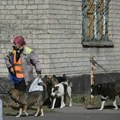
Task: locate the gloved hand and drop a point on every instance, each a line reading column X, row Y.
column 11, row 70
column 39, row 75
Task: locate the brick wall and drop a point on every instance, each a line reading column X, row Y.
column 27, row 18
column 53, row 28
column 64, row 27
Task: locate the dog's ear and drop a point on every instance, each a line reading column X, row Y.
column 54, row 76
column 64, row 75
column 45, row 76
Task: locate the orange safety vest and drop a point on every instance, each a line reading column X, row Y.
column 18, row 67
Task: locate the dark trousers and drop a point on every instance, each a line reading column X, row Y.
column 21, row 86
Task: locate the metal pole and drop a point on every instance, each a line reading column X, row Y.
column 92, row 77
column 1, row 110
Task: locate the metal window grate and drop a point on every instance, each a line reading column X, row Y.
column 95, row 20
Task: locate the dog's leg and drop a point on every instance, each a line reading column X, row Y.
column 70, row 103
column 38, row 110
column 62, row 102
column 26, row 113
column 20, row 112
column 25, row 109
column 102, row 105
column 115, row 105
column 42, row 114
column 69, row 91
column 53, row 104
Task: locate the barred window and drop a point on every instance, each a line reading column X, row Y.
column 95, row 23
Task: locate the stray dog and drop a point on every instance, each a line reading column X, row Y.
column 67, row 86
column 58, row 91
column 28, row 99
column 106, row 91
column 51, row 81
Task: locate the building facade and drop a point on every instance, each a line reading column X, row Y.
column 64, row 33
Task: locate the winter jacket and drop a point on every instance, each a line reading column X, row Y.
column 29, row 59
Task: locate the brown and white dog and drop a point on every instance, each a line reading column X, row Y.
column 26, row 100
column 106, row 91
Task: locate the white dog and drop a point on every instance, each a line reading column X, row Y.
column 58, row 91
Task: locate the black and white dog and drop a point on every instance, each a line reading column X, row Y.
column 58, row 91
column 106, row 91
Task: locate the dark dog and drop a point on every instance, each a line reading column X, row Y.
column 26, row 100
column 106, row 91
column 60, row 79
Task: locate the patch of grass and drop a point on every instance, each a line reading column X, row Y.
column 9, row 111
column 83, row 100
column 87, row 101
column 13, row 110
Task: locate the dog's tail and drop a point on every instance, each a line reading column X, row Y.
column 70, row 84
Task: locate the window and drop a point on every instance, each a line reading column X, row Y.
column 95, row 23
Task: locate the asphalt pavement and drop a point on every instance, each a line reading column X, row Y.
column 76, row 112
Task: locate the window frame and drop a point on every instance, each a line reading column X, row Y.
column 98, row 39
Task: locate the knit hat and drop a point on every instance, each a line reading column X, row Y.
column 19, row 40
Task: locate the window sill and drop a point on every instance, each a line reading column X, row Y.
column 98, row 44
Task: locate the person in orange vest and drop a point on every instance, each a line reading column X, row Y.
column 20, row 61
